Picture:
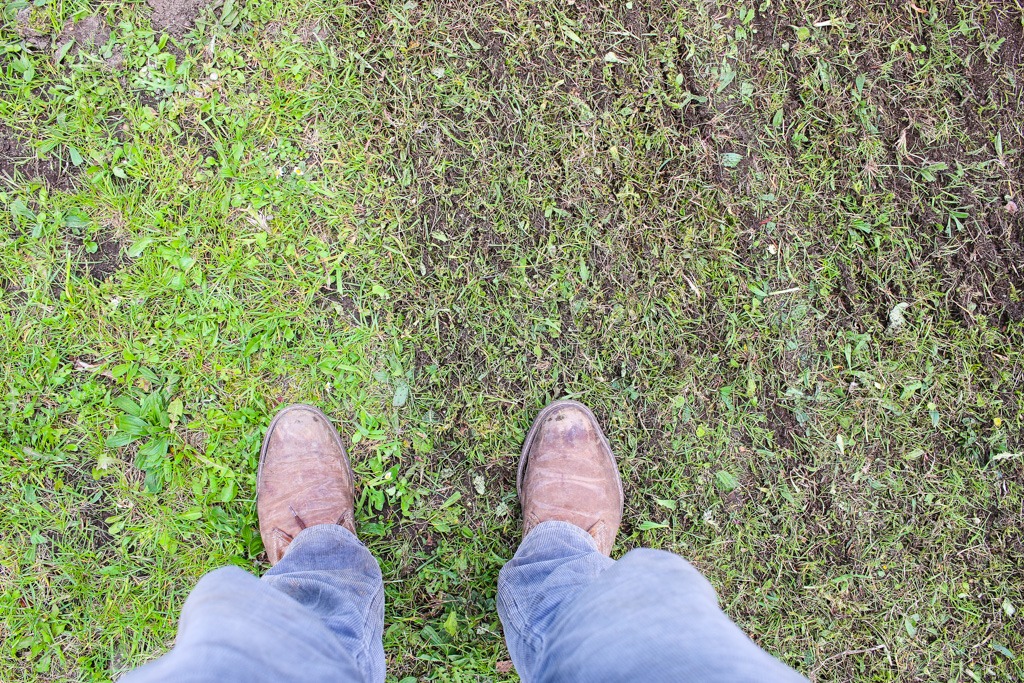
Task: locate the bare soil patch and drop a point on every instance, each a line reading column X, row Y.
column 18, row 160
column 105, row 261
column 175, row 17
column 34, row 33
column 86, row 36
column 88, row 32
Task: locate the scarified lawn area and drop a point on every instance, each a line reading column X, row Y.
column 778, row 248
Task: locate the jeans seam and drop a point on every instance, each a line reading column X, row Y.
column 521, row 619
column 364, row 641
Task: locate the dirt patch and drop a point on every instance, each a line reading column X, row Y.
column 87, row 36
column 1008, row 27
column 105, row 261
column 98, row 265
column 783, row 424
column 17, row 160
column 329, row 299
column 175, row 16
column 32, row 30
column 983, row 270
column 86, row 33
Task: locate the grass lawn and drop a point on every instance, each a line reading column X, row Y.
column 778, row 247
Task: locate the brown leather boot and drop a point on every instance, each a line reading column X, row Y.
column 304, row 478
column 567, row 472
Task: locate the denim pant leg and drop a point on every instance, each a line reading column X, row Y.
column 318, row 615
column 571, row 614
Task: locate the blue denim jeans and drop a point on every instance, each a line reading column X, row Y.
column 569, row 614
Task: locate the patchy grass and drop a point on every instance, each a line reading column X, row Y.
column 778, row 247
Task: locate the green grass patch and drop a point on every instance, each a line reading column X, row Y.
column 777, row 247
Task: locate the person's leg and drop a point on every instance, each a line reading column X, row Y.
column 572, row 614
column 332, row 574
column 318, row 614
column 553, row 565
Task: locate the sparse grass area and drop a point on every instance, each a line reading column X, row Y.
column 777, row 247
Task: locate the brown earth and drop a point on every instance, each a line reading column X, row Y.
column 18, row 160
column 87, row 36
column 88, row 32
column 175, row 16
column 105, row 261
column 34, row 33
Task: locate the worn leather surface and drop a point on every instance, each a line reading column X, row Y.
column 568, row 473
column 304, row 478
